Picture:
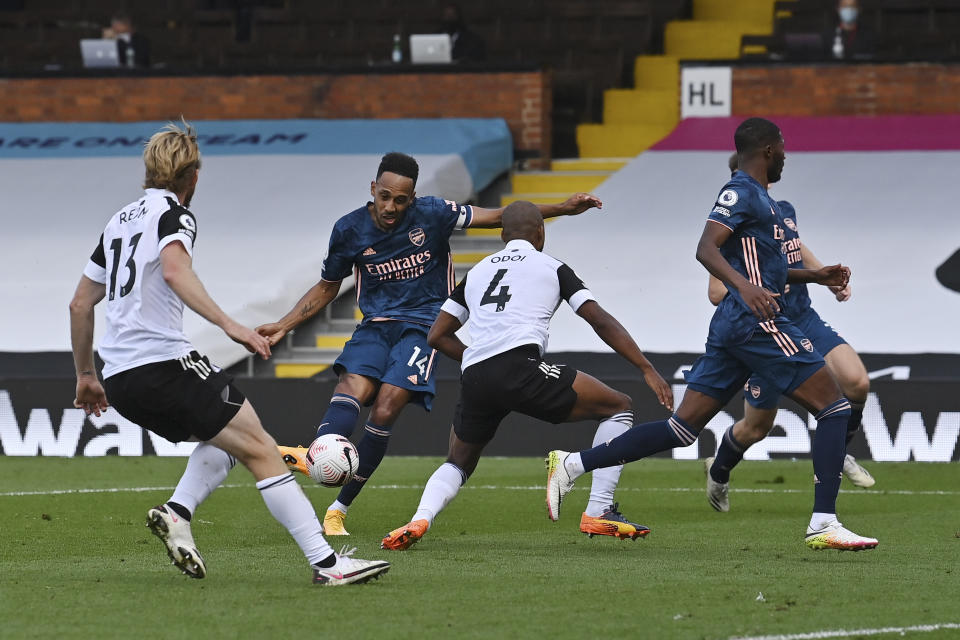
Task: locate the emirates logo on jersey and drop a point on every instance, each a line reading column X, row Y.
column 417, row 236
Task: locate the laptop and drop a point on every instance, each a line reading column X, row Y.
column 430, row 48
column 99, row 52
column 804, row 46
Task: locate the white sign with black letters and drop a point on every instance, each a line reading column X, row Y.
column 706, row 92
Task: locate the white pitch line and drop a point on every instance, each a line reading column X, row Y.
column 846, row 633
column 483, row 487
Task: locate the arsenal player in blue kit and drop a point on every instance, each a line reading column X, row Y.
column 760, row 400
column 741, row 246
column 398, row 248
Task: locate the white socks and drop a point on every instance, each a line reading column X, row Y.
column 339, row 506
column 605, row 479
column 441, row 488
column 573, row 463
column 820, row 520
column 290, row 507
column 207, row 468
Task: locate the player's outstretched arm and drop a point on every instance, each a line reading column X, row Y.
column 612, row 332
column 834, row 275
column 315, row 299
column 574, row 205
column 90, row 394
column 759, row 300
column 178, row 273
column 810, row 261
column 443, row 338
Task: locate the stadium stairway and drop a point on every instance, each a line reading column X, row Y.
column 635, row 119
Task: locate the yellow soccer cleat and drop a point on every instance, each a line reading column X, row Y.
column 405, row 536
column 835, row 536
column 612, row 523
column 295, row 458
column 333, row 523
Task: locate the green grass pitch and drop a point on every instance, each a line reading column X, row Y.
column 83, row 565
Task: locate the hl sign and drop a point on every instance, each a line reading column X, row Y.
column 706, row 92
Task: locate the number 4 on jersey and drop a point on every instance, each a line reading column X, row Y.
column 502, row 297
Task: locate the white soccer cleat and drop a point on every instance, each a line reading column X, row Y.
column 834, row 535
column 717, row 492
column 175, row 533
column 856, row 473
column 349, row 570
column 559, row 482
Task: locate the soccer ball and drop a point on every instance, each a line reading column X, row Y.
column 332, row 460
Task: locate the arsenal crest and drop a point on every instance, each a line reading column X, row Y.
column 417, row 236
column 806, row 344
column 791, row 224
column 755, row 391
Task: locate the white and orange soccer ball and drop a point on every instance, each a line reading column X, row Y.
column 332, row 460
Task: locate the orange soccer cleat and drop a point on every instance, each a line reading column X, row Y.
column 405, row 536
column 612, row 523
column 295, row 458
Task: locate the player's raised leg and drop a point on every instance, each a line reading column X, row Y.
column 820, row 394
column 679, row 430
column 847, row 367
column 351, row 392
column 245, row 439
column 613, row 409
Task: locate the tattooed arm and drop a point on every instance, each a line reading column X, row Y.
column 319, row 296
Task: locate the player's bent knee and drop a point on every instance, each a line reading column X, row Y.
column 755, row 432
column 857, row 389
column 623, row 402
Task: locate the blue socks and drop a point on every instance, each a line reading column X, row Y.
column 729, row 455
column 372, row 447
column 856, row 420
column 829, row 449
column 639, row 442
column 341, row 416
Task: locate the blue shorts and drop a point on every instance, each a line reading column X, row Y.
column 783, row 356
column 392, row 352
column 824, row 337
column 763, row 395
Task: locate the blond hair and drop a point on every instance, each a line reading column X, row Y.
column 171, row 156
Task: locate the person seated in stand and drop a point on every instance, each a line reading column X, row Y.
column 467, row 46
column 133, row 48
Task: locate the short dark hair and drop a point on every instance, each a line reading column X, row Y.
column 755, row 133
column 400, row 164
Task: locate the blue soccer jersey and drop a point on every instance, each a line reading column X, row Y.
column 402, row 274
column 796, row 299
column 754, row 249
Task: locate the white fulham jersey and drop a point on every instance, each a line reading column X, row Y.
column 144, row 316
column 510, row 297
